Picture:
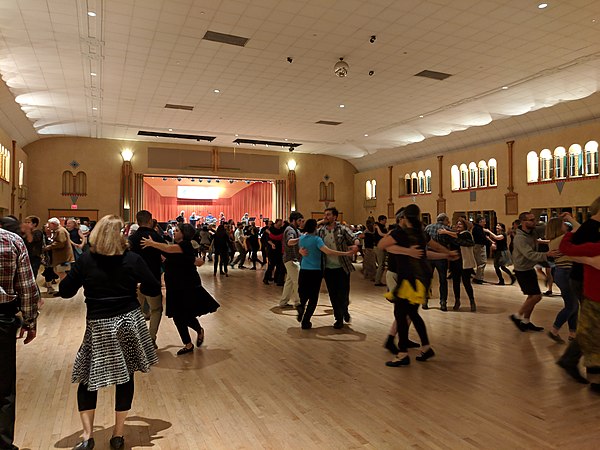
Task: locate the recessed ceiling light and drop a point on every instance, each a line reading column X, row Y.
column 421, row 116
column 91, row 14
column 95, row 109
column 285, row 139
column 342, row 106
column 504, row 87
column 170, row 129
column 236, row 135
column 543, row 5
column 216, row 91
column 93, row 74
column 593, row 20
column 366, row 135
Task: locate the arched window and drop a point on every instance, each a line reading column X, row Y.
column 373, row 189
column 421, row 182
column 464, row 177
column 560, row 162
column 575, row 161
column 591, row 158
column 472, row 175
column 21, row 174
column 428, row 180
column 492, row 172
column 533, row 167
column 482, row 167
column 415, row 183
column 407, row 184
column 4, row 163
column 545, row 165
column 368, row 190
column 455, row 178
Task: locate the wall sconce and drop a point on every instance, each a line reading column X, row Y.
column 291, row 164
column 127, row 154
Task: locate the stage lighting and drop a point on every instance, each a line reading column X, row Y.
column 208, row 181
column 217, row 181
column 231, row 181
column 178, row 178
column 164, row 178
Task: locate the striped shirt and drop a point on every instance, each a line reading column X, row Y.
column 17, row 282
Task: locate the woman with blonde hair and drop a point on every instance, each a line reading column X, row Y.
column 116, row 342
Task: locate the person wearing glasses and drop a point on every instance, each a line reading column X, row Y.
column 525, row 257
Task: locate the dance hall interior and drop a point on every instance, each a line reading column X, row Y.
column 253, row 110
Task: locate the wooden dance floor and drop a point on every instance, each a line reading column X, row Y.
column 259, row 381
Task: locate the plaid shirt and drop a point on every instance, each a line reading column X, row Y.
column 343, row 238
column 16, row 277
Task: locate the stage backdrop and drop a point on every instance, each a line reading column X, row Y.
column 255, row 200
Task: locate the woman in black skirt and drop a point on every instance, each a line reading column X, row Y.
column 186, row 298
column 116, row 342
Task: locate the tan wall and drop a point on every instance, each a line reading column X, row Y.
column 101, row 160
column 20, row 207
column 575, row 193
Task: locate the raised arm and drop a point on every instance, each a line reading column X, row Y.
column 167, row 248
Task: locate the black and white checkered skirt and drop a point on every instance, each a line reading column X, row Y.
column 112, row 349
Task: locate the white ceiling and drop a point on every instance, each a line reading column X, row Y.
column 147, row 53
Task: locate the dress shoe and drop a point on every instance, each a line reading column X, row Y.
column 513, row 279
column 424, row 356
column 456, row 306
column 412, row 344
column 347, row 317
column 518, row 323
column 547, row 294
column 532, row 327
column 425, row 305
column 339, row 324
column 306, row 325
column 573, row 372
column 391, row 345
column 85, row 445
column 555, row 337
column 266, row 282
column 399, row 362
column 200, row 339
column 473, row 307
column 501, row 283
column 184, row 350
column 117, row 443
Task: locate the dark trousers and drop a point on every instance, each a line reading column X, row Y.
column 403, row 309
column 87, row 400
column 254, row 256
column 221, row 259
column 338, row 285
column 275, row 262
column 9, row 325
column 573, row 353
column 36, row 262
column 441, row 265
column 183, row 323
column 459, row 274
column 309, row 285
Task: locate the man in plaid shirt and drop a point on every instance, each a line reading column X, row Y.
column 18, row 292
column 337, row 268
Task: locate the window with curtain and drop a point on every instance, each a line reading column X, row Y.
column 472, row 175
column 421, row 182
column 545, row 165
column 560, row 162
column 575, row 161
column 428, row 181
column 482, row 167
column 591, row 158
column 368, row 190
column 533, row 166
column 492, row 172
column 415, row 183
column 464, row 176
column 373, row 189
column 455, row 178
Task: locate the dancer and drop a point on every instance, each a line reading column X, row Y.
column 186, row 298
column 220, row 246
column 311, row 272
column 501, row 253
column 116, row 342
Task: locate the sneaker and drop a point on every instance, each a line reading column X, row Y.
column 532, row 327
column 555, row 337
column 424, row 356
column 398, row 362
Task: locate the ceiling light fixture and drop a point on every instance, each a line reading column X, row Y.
column 93, row 74
column 543, row 5
column 94, row 108
column 366, row 135
column 342, row 106
column 421, row 116
column 91, row 14
column 170, row 129
column 504, row 87
column 216, row 91
column 341, row 68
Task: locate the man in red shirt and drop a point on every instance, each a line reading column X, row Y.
column 584, row 247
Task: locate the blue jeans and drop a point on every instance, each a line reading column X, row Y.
column 441, row 265
column 569, row 312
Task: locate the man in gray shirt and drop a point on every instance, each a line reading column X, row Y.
column 291, row 261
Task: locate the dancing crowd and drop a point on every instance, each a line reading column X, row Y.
column 120, row 268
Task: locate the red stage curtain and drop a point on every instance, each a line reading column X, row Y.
column 255, row 200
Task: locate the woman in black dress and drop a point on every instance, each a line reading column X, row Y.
column 186, row 298
column 220, row 245
column 116, row 342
